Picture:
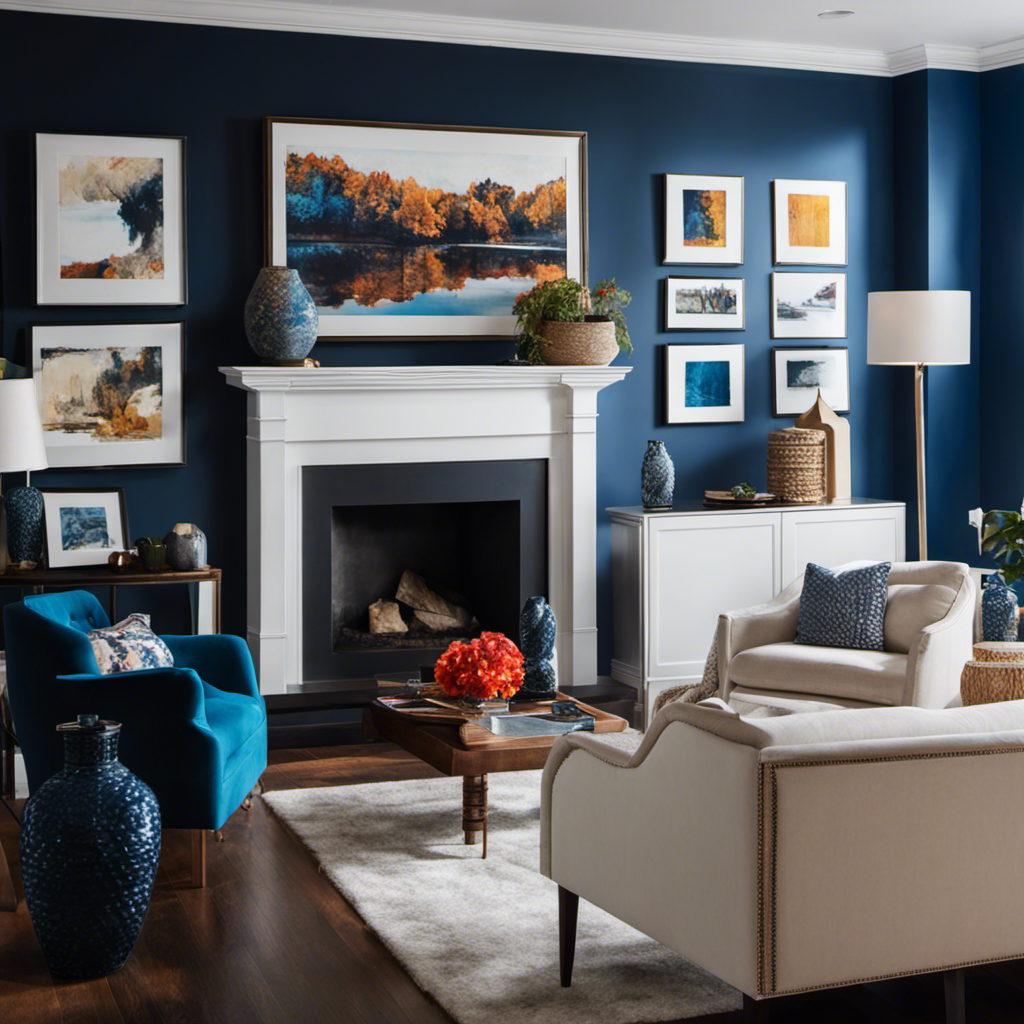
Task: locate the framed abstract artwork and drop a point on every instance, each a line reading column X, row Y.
column 111, row 395
column 703, row 219
column 809, row 222
column 705, row 303
column 808, row 305
column 798, row 374
column 423, row 231
column 110, row 220
column 83, row 525
column 704, row 383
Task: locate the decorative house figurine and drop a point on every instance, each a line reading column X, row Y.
column 822, row 417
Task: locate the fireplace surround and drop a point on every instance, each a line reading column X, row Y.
column 379, row 416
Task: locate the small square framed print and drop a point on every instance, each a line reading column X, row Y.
column 808, row 305
column 83, row 525
column 705, row 303
column 798, row 374
column 704, row 383
column 703, row 219
column 809, row 222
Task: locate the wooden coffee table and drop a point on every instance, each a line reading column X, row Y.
column 455, row 745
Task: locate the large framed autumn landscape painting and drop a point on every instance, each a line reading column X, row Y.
column 403, row 231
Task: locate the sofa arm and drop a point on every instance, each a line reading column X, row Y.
column 221, row 659
column 175, row 693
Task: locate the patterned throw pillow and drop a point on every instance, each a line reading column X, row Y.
column 847, row 610
column 129, row 645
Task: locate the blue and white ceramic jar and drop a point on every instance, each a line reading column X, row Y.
column 537, row 629
column 281, row 321
column 657, row 477
column 90, row 845
column 998, row 610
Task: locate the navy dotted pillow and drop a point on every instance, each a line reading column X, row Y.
column 845, row 610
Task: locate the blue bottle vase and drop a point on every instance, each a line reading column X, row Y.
column 998, row 610
column 537, row 629
column 24, row 508
column 657, row 477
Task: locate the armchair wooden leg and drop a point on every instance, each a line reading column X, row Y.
column 755, row 1011
column 568, row 909
column 198, row 858
column 261, row 785
column 956, row 1010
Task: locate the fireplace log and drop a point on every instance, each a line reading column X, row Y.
column 414, row 592
column 386, row 617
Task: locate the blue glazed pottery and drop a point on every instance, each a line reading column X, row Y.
column 657, row 477
column 281, row 321
column 998, row 610
column 537, row 629
column 185, row 547
column 90, row 845
column 24, row 508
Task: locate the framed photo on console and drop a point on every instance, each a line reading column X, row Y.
column 799, row 373
column 419, row 230
column 704, row 383
column 705, row 303
column 110, row 395
column 110, row 220
column 703, row 219
column 809, row 222
column 83, row 525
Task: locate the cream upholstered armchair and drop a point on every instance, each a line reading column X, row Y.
column 806, row 851
column 929, row 624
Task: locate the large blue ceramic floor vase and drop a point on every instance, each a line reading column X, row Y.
column 90, row 846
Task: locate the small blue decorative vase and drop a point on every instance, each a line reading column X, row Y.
column 90, row 845
column 537, row 629
column 657, row 477
column 998, row 610
column 24, row 508
column 185, row 547
column 281, row 321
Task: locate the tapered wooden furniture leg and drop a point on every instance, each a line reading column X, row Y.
column 8, row 898
column 474, row 808
column 956, row 1009
column 198, row 858
column 568, row 911
column 755, row 1011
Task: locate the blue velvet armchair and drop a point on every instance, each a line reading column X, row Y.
column 196, row 732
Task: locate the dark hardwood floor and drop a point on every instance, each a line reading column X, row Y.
column 270, row 939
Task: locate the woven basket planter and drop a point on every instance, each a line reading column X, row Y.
column 999, row 650
column 796, row 464
column 578, row 344
column 985, row 682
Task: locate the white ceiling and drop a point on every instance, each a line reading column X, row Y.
column 883, row 37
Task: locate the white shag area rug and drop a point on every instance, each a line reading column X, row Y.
column 481, row 936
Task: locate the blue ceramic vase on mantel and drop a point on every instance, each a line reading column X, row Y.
column 537, row 629
column 657, row 477
column 90, row 845
column 281, row 321
column 999, row 610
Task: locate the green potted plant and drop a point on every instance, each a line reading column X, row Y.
column 564, row 323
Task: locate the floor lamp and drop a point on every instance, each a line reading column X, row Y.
column 919, row 329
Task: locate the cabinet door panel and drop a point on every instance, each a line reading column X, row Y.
column 833, row 536
column 699, row 567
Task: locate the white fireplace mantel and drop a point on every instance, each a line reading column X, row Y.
column 403, row 414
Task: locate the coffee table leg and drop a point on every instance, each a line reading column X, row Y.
column 474, row 808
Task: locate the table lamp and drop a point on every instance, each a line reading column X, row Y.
column 21, row 448
column 919, row 329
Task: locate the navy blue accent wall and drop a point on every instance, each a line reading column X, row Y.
column 644, row 118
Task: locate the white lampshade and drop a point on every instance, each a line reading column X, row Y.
column 908, row 328
column 21, row 432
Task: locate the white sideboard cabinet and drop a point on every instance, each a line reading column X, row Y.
column 675, row 572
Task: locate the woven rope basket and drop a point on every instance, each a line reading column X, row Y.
column 985, row 682
column 999, row 650
column 578, row 344
column 796, row 464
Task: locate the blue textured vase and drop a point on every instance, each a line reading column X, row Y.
column 657, row 477
column 537, row 630
column 281, row 321
column 90, row 845
column 998, row 610
column 24, row 508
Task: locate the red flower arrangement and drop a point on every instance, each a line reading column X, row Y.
column 490, row 666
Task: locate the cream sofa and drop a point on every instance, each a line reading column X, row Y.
column 929, row 629
column 799, row 852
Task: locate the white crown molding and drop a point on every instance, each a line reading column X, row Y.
column 328, row 19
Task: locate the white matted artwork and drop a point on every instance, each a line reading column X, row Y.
column 808, row 305
column 809, row 222
column 111, row 394
column 703, row 219
column 798, row 374
column 83, row 525
column 704, row 383
column 110, row 220
column 705, row 303
column 402, row 230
